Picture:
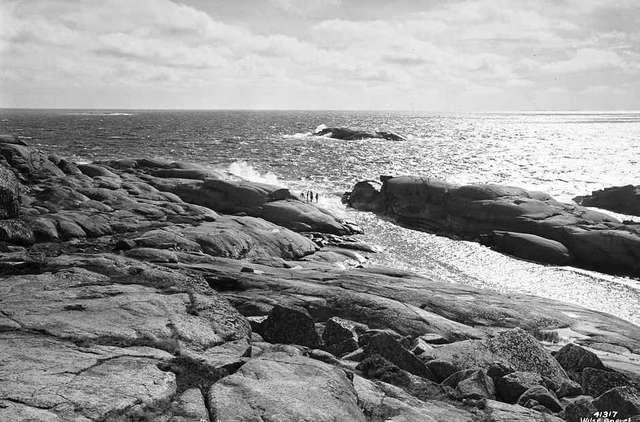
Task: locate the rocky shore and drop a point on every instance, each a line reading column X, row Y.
column 139, row 289
column 527, row 224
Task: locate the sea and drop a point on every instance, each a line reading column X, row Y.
column 563, row 153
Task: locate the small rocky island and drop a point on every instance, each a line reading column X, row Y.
column 348, row 134
column 139, row 289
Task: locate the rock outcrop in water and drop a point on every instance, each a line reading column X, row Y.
column 530, row 225
column 128, row 292
column 354, row 134
column 621, row 199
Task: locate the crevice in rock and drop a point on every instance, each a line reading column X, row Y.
column 169, row 345
column 22, row 267
column 211, row 412
column 224, row 284
column 192, row 373
column 139, row 411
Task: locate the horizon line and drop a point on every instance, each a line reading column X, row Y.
column 517, row 111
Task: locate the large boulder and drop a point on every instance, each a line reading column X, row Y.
column 365, row 196
column 597, row 381
column 513, row 348
column 528, row 224
column 388, row 346
column 471, row 384
column 290, row 325
column 530, row 247
column 277, row 386
column 574, row 358
column 378, row 368
column 511, row 386
column 226, row 196
column 538, row 395
column 340, row 336
column 622, row 199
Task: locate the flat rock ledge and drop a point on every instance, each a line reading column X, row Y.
column 526, row 224
column 143, row 290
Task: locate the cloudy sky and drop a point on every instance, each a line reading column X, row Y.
column 321, row 54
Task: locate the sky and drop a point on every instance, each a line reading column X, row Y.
column 475, row 55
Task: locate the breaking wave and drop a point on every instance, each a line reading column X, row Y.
column 304, row 135
column 245, row 171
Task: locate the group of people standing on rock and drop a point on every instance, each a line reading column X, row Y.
column 310, row 195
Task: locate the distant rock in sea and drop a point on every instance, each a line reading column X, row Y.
column 353, row 134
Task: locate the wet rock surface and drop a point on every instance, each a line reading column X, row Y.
column 130, row 291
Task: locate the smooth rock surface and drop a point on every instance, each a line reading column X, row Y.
column 276, row 386
column 530, row 247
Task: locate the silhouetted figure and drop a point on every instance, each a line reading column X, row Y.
column 316, row 197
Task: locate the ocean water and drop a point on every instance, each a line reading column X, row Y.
column 564, row 154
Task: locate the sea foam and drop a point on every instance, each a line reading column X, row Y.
column 245, row 171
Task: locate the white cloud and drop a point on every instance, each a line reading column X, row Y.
column 586, row 59
column 304, row 7
column 493, row 48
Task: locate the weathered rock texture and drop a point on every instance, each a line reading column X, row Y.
column 127, row 293
column 530, row 225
